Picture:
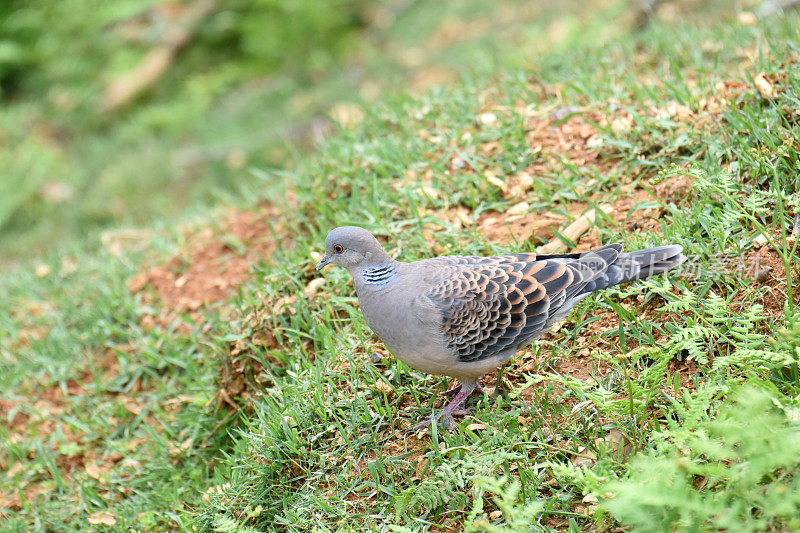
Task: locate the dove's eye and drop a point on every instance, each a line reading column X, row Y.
column 338, row 248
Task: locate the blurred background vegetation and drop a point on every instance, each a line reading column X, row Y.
column 120, row 113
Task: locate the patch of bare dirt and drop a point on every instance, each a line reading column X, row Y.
column 206, row 271
column 626, row 212
column 507, row 229
column 567, row 135
column 13, row 501
column 675, row 188
column 574, row 139
column 764, row 268
column 211, row 267
column 15, row 421
column 687, row 370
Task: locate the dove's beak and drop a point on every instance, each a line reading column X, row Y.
column 324, row 261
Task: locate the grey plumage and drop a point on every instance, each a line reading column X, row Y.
column 463, row 316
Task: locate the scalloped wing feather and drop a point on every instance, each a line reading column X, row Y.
column 490, row 305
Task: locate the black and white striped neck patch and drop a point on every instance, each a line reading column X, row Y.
column 378, row 276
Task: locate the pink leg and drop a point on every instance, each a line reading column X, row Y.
column 445, row 415
column 453, row 390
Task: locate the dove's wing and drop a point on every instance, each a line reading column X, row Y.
column 493, row 304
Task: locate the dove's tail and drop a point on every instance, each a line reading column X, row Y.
column 639, row 264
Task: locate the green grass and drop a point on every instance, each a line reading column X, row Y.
column 322, row 445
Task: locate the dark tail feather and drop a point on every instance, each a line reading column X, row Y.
column 639, row 264
column 649, row 261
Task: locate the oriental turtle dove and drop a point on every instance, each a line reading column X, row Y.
column 463, row 316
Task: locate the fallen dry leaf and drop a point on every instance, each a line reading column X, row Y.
column 494, row 180
column 313, row 286
column 427, row 190
column 591, row 499
column 747, row 18
column 489, row 148
column 102, row 518
column 586, row 457
column 285, row 302
column 117, row 241
column 181, row 448
column 518, row 209
column 623, row 123
column 131, row 405
column 676, row 109
column 131, row 464
column 618, row 442
column 56, row 192
column 383, row 387
column 93, row 471
column 574, row 230
column 764, row 87
column 519, row 184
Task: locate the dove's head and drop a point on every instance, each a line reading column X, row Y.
column 352, row 247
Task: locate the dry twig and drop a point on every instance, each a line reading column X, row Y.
column 155, row 64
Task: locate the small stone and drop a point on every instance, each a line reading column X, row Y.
column 487, row 119
column 383, row 387
column 564, row 112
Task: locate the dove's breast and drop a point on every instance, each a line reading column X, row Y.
column 410, row 324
